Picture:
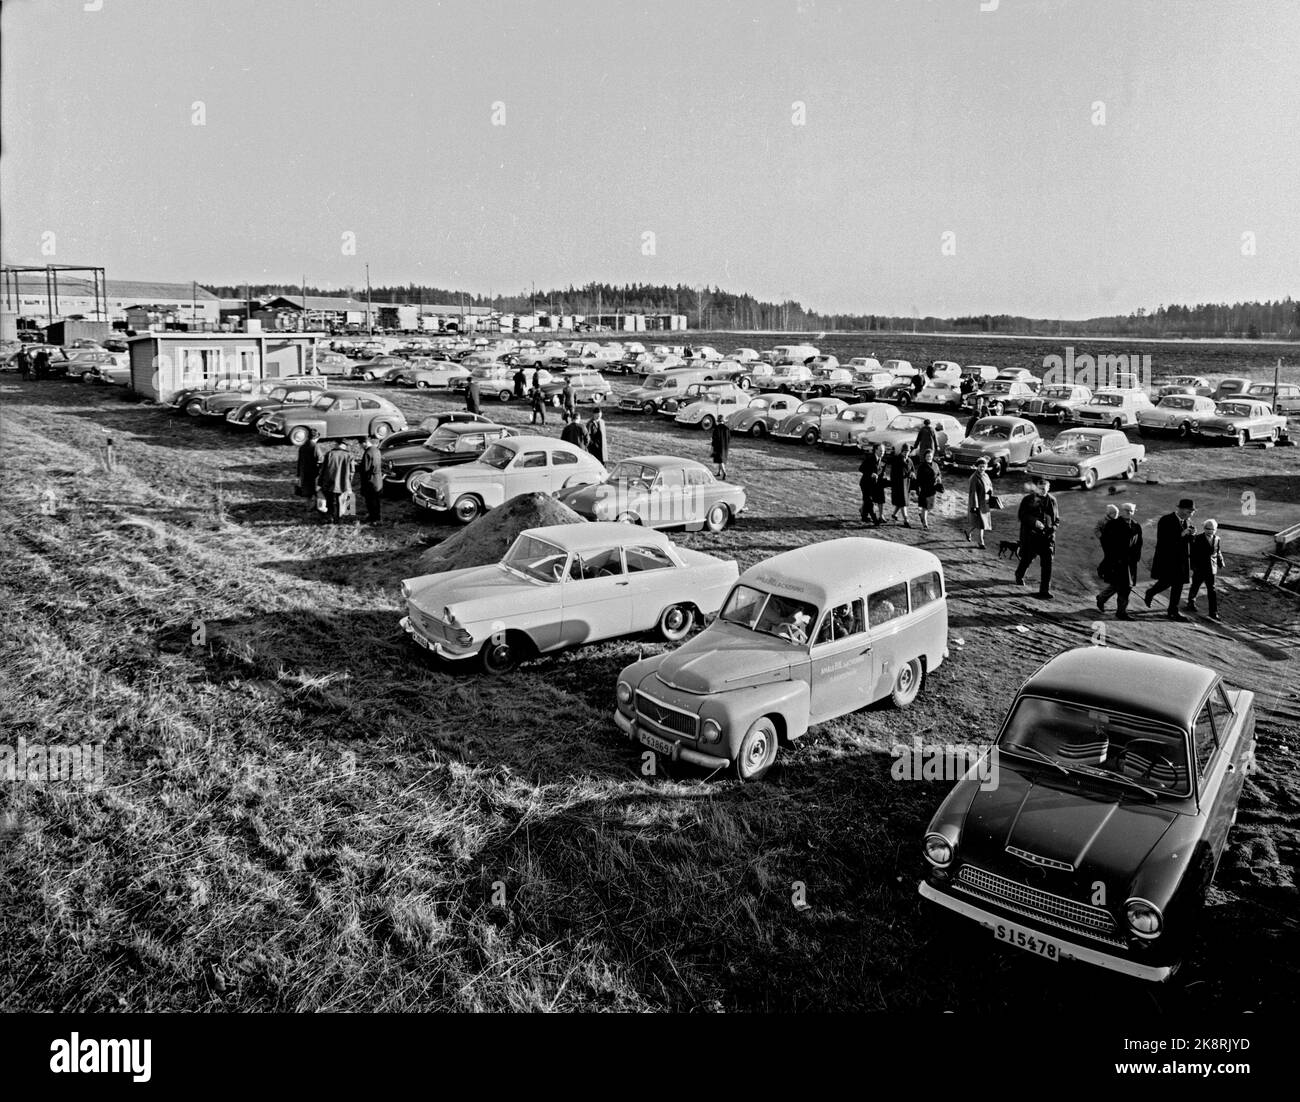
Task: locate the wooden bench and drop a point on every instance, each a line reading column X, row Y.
column 1284, row 564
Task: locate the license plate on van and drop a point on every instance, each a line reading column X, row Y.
column 654, row 742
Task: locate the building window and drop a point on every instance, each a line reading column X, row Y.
column 199, row 366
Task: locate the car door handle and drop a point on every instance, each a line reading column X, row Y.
column 620, row 583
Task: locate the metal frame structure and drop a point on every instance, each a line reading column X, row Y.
column 12, row 275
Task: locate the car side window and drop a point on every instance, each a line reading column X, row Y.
column 346, row 403
column 563, row 459
column 646, row 558
column 370, row 403
column 887, row 604
column 473, row 442
column 669, row 478
column 602, row 564
column 698, row 477
column 531, row 459
column 926, row 589
column 842, row 621
column 1207, row 742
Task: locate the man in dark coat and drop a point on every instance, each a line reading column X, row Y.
column 871, row 479
column 1121, row 551
column 1171, row 563
column 596, row 435
column 1207, row 561
column 471, row 397
column 538, row 404
column 721, row 442
column 569, row 398
column 372, row 479
column 521, row 380
column 927, row 440
column 981, row 410
column 901, row 473
column 41, row 363
column 336, row 478
column 537, row 377
column 23, row 362
column 1039, row 517
column 573, row 432
column 309, row 461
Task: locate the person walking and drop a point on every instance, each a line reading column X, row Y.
column 1121, row 552
column 979, row 497
column 871, row 479
column 927, row 440
column 929, row 485
column 372, row 479
column 472, row 402
column 23, row 363
column 901, row 473
column 596, row 435
column 309, row 460
column 520, row 380
column 336, row 479
column 720, row 440
column 1039, row 517
column 537, row 378
column 1207, row 561
column 538, row 404
column 573, row 431
column 1171, row 563
column 568, row 398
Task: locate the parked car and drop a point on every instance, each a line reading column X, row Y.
column 218, row 403
column 905, row 427
column 1004, row 441
column 903, row 369
column 943, row 371
column 1117, row 408
column 380, row 367
column 745, row 355
column 247, row 414
column 588, row 386
column 659, row 491
column 448, row 445
column 564, row 586
column 1118, row 778
column 506, row 469
column 1243, row 420
column 711, row 403
column 1020, row 375
column 333, row 363
column 793, row 354
column 900, row 391
column 1178, row 412
column 942, row 394
column 788, row 378
column 1231, row 388
column 1087, row 456
column 1003, row 396
column 82, row 361
column 825, row 382
column 112, row 374
column 981, row 373
column 1286, row 399
column 847, row 427
column 805, row 423
column 438, row 376
column 1185, row 384
column 865, row 386
column 803, row 637
column 1055, row 402
column 763, row 414
column 338, row 414
column 655, row 390
column 419, row 433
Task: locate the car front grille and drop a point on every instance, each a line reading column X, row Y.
column 665, row 718
column 1055, row 910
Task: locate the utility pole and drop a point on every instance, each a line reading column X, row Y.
column 194, row 303
column 370, row 328
column 304, row 302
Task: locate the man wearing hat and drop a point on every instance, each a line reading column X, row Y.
column 1171, row 563
column 1039, row 517
column 1121, row 550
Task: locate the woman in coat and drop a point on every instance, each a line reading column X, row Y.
column 979, row 491
column 901, row 473
column 721, row 441
column 929, row 484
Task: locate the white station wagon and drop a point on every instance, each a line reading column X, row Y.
column 563, row 586
column 506, row 469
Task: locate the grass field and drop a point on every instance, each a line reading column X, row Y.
column 302, row 814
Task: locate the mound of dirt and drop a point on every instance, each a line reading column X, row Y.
column 485, row 540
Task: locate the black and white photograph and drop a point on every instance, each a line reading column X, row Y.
column 780, row 510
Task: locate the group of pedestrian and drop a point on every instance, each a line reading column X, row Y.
column 898, row 472
column 589, row 436
column 33, row 364
column 330, row 477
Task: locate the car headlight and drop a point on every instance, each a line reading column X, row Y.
column 1074, row 470
column 711, row 730
column 448, row 618
column 624, row 693
column 406, row 591
column 1144, row 918
column 938, row 850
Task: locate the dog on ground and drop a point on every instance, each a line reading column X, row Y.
column 1008, row 549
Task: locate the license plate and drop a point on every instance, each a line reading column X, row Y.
column 654, row 742
column 1027, row 940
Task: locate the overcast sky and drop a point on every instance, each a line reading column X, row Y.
column 232, row 140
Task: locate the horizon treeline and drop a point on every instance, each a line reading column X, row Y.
column 710, row 308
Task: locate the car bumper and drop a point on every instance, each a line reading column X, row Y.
column 629, row 727
column 423, row 501
column 967, row 462
column 440, row 649
column 1219, row 430
column 1070, row 950
column 271, row 432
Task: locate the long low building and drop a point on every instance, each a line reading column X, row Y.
column 186, row 301
column 164, row 363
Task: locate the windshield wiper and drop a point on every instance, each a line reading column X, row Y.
column 1119, row 778
column 1040, row 755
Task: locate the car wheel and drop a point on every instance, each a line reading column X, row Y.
column 903, row 400
column 1089, row 479
column 504, row 396
column 557, row 401
column 810, row 437
column 500, row 655
column 744, row 384
column 369, row 376
column 706, row 423
column 907, row 684
column 420, row 384
column 628, row 518
column 1185, row 429
column 1131, row 470
column 675, row 623
column 298, row 436
column 757, row 751
column 411, row 480
column 649, row 407
column 757, row 428
column 999, row 467
column 717, row 518
column 194, row 407
column 466, row 508
column 380, row 429
column 1117, row 424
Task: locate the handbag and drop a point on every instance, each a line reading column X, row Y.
column 322, row 506
column 995, row 501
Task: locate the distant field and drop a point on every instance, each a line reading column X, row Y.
column 303, row 814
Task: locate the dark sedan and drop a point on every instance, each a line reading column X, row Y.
column 454, row 442
column 1093, row 827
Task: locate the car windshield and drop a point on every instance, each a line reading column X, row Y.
column 1260, row 391
column 1179, row 402
column 498, row 456
column 1107, row 400
column 759, row 403
column 631, row 472
column 770, row 613
column 1056, row 392
column 808, row 407
column 536, row 559
column 990, row 431
column 999, row 386
column 1099, row 744
column 278, row 394
column 1082, row 444
column 655, row 382
column 905, row 423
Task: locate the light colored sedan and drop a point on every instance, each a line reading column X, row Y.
column 564, row 586
column 844, row 429
column 435, row 377
column 660, row 491
column 763, row 414
column 938, row 393
column 906, row 427
column 1087, row 456
column 714, row 402
column 1178, row 412
column 1242, row 420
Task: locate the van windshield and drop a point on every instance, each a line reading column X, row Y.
column 770, row 613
